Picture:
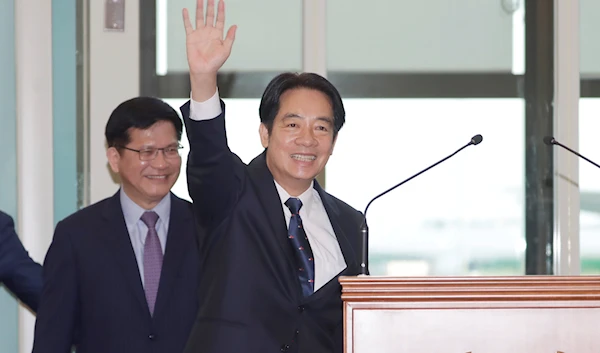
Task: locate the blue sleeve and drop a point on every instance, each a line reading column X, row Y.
column 18, row 271
column 214, row 173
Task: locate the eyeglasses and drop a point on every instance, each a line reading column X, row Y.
column 149, row 154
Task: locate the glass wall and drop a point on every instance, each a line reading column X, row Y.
column 589, row 125
column 253, row 50
column 242, row 135
column 419, row 79
column 254, row 60
column 466, row 216
column 419, row 36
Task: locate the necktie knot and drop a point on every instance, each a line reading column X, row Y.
column 150, row 218
column 294, row 204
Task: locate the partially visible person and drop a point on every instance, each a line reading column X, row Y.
column 122, row 275
column 18, row 272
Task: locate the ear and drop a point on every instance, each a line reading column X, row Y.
column 264, row 135
column 113, row 156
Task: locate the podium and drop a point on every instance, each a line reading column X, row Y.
column 522, row 314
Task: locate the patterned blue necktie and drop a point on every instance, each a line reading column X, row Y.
column 304, row 255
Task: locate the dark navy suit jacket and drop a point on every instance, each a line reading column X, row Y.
column 251, row 300
column 18, row 272
column 93, row 296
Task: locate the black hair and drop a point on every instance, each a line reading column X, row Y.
column 270, row 102
column 139, row 113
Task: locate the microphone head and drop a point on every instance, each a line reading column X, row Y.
column 475, row 140
column 549, row 140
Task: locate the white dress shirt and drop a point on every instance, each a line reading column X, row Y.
column 329, row 260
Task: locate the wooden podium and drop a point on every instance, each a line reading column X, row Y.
column 525, row 314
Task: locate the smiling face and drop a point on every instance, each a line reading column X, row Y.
column 147, row 182
column 301, row 139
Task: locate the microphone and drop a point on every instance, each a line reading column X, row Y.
column 549, row 140
column 364, row 229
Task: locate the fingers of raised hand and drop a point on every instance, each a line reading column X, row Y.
column 230, row 37
column 186, row 21
column 210, row 13
column 210, row 16
column 199, row 13
column 220, row 15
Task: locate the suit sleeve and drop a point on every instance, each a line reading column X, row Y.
column 214, row 173
column 18, row 271
column 59, row 303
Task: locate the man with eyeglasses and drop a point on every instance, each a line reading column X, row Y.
column 121, row 275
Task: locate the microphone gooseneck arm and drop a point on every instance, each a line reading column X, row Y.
column 364, row 229
column 551, row 141
column 412, row 177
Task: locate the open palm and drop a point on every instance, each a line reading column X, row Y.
column 207, row 50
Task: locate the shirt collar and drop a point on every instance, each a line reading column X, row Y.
column 133, row 212
column 307, row 197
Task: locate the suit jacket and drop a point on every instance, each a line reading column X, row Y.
column 93, row 296
column 19, row 273
column 251, row 299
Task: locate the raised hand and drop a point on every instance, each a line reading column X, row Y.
column 207, row 50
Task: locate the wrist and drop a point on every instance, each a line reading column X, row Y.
column 203, row 86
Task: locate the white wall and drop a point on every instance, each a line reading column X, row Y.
column 114, row 78
column 33, row 54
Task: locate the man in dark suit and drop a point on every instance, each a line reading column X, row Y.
column 276, row 241
column 18, row 272
column 121, row 275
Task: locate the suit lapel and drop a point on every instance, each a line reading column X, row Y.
column 336, row 219
column 180, row 239
column 271, row 203
column 118, row 238
column 270, row 200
